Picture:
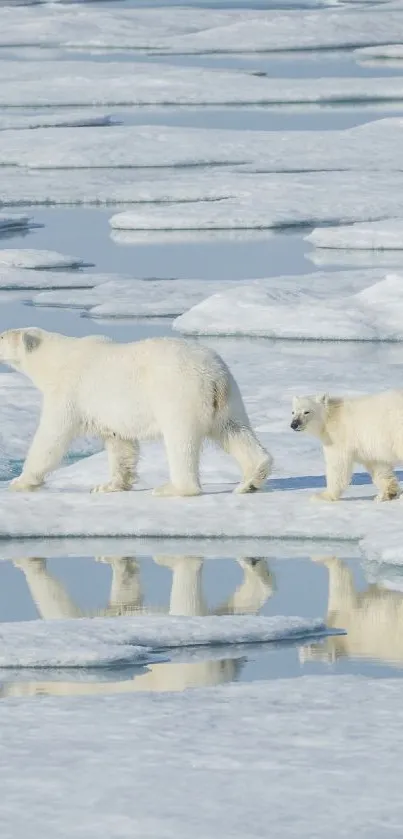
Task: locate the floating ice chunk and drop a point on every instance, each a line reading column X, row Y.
column 73, row 119
column 14, row 279
column 380, row 53
column 39, row 260
column 133, row 299
column 376, row 235
column 102, row 642
column 374, row 314
column 355, row 258
column 197, row 30
column 63, row 83
column 374, row 145
column 14, row 222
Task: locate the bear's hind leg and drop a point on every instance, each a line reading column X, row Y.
column 240, row 442
column 183, row 452
column 123, row 457
column 385, row 481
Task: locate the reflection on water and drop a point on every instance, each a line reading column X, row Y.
column 126, row 597
column 184, row 584
column 373, row 619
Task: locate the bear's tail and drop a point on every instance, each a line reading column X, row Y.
column 220, row 396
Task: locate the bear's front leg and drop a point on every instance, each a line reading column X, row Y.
column 50, row 442
column 339, row 467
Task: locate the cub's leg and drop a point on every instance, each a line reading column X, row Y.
column 123, row 456
column 384, row 479
column 339, row 467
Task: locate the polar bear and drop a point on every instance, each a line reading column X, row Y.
column 123, row 393
column 365, row 429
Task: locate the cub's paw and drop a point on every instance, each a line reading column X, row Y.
column 171, row 491
column 22, row 484
column 323, row 496
column 387, row 496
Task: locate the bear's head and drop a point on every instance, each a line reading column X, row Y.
column 309, row 413
column 16, row 345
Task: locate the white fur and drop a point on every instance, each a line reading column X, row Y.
column 366, row 430
column 372, row 619
column 123, row 393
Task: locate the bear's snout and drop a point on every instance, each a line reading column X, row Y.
column 296, row 424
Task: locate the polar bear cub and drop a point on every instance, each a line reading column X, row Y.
column 365, row 429
column 123, row 393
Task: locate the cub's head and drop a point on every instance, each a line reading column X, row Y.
column 17, row 345
column 309, row 413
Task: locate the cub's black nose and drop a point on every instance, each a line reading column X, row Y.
column 295, row 424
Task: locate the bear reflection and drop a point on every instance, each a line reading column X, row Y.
column 373, row 620
column 126, row 598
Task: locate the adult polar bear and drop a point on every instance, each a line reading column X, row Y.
column 124, row 393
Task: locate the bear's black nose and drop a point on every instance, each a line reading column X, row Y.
column 295, row 424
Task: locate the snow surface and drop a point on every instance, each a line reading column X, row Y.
column 240, row 748
column 374, row 314
column 78, row 83
column 101, row 642
column 191, row 31
column 39, row 260
column 12, row 221
column 374, row 145
column 380, row 235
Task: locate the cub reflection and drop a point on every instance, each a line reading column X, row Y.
column 126, row 598
column 372, row 618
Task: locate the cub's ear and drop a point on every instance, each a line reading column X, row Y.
column 31, row 340
column 323, row 399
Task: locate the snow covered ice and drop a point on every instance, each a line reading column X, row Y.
column 38, row 260
column 374, row 314
column 197, row 747
column 103, row 642
column 195, row 30
column 62, row 83
column 386, row 234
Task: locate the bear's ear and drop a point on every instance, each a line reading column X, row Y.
column 31, row 340
column 323, row 399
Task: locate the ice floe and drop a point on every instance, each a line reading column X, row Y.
column 376, row 235
column 385, row 52
column 373, row 314
column 74, row 119
column 78, row 83
column 197, row 30
column 101, row 642
column 12, row 221
column 355, row 259
column 133, row 298
column 179, row 751
column 372, row 146
column 19, row 279
column 39, row 260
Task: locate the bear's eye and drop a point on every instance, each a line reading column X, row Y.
column 306, row 413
